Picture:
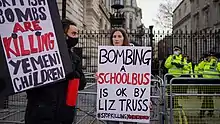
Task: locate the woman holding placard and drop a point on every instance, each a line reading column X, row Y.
column 119, row 37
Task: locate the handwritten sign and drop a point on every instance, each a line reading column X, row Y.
column 30, row 44
column 123, row 92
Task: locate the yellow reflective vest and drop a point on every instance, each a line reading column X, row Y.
column 172, row 69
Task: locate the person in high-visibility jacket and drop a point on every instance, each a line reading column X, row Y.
column 211, row 69
column 175, row 65
column 187, row 68
column 198, row 70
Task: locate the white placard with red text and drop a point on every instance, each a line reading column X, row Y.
column 30, row 45
column 123, row 90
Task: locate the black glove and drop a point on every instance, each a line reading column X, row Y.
column 72, row 75
column 179, row 66
column 173, row 63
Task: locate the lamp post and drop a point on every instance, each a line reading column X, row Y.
column 117, row 18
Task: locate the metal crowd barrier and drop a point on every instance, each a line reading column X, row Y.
column 86, row 104
column 191, row 100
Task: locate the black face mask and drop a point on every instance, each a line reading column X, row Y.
column 71, row 42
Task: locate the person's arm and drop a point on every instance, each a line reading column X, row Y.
column 80, row 74
column 168, row 62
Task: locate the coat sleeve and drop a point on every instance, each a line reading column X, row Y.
column 81, row 75
column 78, row 70
column 168, row 61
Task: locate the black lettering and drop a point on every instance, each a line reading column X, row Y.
column 4, row 3
column 46, row 61
column 142, row 92
column 30, row 79
column 145, row 59
column 35, row 77
column 145, row 105
column 121, row 92
column 32, row 2
column 42, row 15
column 103, row 92
column 34, row 13
column 129, row 57
column 14, row 2
column 111, row 104
column 15, row 65
column 106, row 104
column 52, row 60
column 100, row 108
column 134, row 104
column 140, row 105
column 9, row 15
column 24, row 81
column 113, row 56
column 102, row 57
column 23, row 17
column 136, row 92
column 60, row 73
column 138, row 56
column 42, row 2
column 122, row 105
column 35, row 62
column 128, row 105
column 122, row 69
column 25, row 65
column 16, row 83
column 37, row 83
column 54, row 73
column 44, row 77
column 2, row 19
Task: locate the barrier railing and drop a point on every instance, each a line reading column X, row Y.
column 191, row 100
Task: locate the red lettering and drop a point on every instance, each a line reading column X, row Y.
column 36, row 25
column 105, row 79
column 146, row 76
column 134, row 78
column 40, row 49
column 51, row 42
column 128, row 78
column 100, row 77
column 44, row 42
column 118, row 78
column 7, row 46
column 17, row 28
column 124, row 78
column 23, row 51
column 27, row 26
column 31, row 41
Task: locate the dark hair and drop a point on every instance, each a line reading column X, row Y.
column 66, row 24
column 124, row 34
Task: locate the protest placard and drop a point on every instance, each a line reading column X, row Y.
column 123, row 84
column 33, row 49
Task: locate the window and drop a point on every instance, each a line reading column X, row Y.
column 218, row 12
column 185, row 7
column 130, row 23
column 197, row 3
column 128, row 2
column 131, row 2
column 196, row 21
column 179, row 13
column 185, row 28
column 206, row 18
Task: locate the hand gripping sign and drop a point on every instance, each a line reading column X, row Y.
column 33, row 50
column 123, row 83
